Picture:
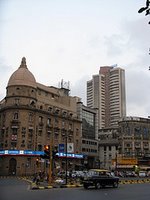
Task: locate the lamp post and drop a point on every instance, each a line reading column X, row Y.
column 50, row 165
column 66, row 158
column 50, row 160
column 116, row 161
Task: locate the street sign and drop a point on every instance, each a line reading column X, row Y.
column 70, row 148
column 61, row 148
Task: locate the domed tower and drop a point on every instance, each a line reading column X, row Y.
column 21, row 87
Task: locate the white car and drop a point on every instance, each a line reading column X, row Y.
column 142, row 174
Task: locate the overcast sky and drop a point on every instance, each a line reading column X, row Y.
column 71, row 39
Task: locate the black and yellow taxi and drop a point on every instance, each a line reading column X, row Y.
column 100, row 178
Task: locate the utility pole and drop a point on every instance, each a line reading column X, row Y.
column 50, row 161
column 66, row 159
column 50, row 178
column 116, row 159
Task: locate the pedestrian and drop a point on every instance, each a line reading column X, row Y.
column 34, row 177
column 37, row 179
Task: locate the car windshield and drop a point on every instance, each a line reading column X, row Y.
column 98, row 172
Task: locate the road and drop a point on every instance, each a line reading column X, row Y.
column 13, row 188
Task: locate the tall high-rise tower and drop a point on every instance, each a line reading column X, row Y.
column 106, row 91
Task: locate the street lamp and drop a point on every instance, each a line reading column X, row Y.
column 66, row 158
column 116, row 159
column 50, row 164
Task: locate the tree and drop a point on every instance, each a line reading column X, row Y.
column 146, row 9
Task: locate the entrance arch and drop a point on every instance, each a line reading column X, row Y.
column 12, row 166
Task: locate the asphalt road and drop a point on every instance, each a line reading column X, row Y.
column 12, row 188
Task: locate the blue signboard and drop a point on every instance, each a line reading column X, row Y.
column 61, row 148
column 21, row 152
column 70, row 155
column 38, row 153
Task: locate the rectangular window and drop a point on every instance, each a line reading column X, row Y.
column 70, row 126
column 40, row 132
column 14, row 131
column 49, row 121
column 56, row 122
column 63, row 124
column 13, row 145
column 40, row 120
column 16, row 116
column 16, row 101
column 30, row 117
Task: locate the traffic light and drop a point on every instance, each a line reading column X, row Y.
column 46, row 154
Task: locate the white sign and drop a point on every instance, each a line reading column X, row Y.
column 6, row 151
column 70, row 148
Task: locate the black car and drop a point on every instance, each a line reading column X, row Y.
column 100, row 178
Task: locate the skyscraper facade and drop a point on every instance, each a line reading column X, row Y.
column 106, row 91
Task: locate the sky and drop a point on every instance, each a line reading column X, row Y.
column 71, row 39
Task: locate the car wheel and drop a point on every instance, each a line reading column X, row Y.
column 115, row 184
column 97, row 185
column 102, row 185
column 85, row 186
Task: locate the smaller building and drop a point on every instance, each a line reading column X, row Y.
column 89, row 144
column 108, row 147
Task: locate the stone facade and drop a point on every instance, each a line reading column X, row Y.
column 126, row 145
column 134, row 137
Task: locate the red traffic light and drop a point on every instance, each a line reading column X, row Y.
column 46, row 154
column 46, row 147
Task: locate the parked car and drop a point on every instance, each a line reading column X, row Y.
column 100, row 178
column 121, row 174
column 142, row 174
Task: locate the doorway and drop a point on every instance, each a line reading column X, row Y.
column 12, row 166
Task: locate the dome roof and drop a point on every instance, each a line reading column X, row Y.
column 22, row 76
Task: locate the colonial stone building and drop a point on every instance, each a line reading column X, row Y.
column 126, row 146
column 134, row 139
column 33, row 115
